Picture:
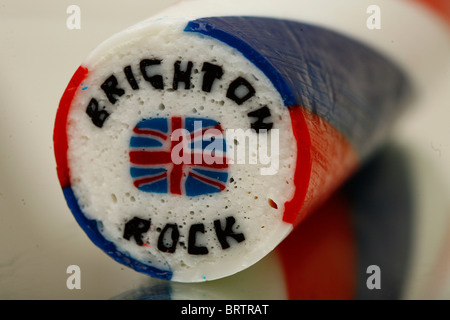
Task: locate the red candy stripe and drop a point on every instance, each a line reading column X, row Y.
column 60, row 130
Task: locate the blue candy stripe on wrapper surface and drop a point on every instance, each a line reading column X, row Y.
column 344, row 82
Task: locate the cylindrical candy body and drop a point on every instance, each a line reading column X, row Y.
column 189, row 148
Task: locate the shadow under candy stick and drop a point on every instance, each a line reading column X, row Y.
column 359, row 244
column 366, row 223
column 384, row 212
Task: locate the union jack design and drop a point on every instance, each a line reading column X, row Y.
column 183, row 156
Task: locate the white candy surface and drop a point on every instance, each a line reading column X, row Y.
column 99, row 157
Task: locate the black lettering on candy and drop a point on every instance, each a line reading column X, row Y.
column 211, row 73
column 155, row 80
column 260, row 115
column 169, row 236
column 223, row 234
column 237, row 97
column 98, row 115
column 239, row 90
column 130, row 77
column 111, row 89
column 135, row 228
column 182, row 76
column 192, row 240
column 174, row 235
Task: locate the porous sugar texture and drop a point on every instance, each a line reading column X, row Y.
column 152, row 77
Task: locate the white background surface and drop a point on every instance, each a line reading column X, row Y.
column 39, row 238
